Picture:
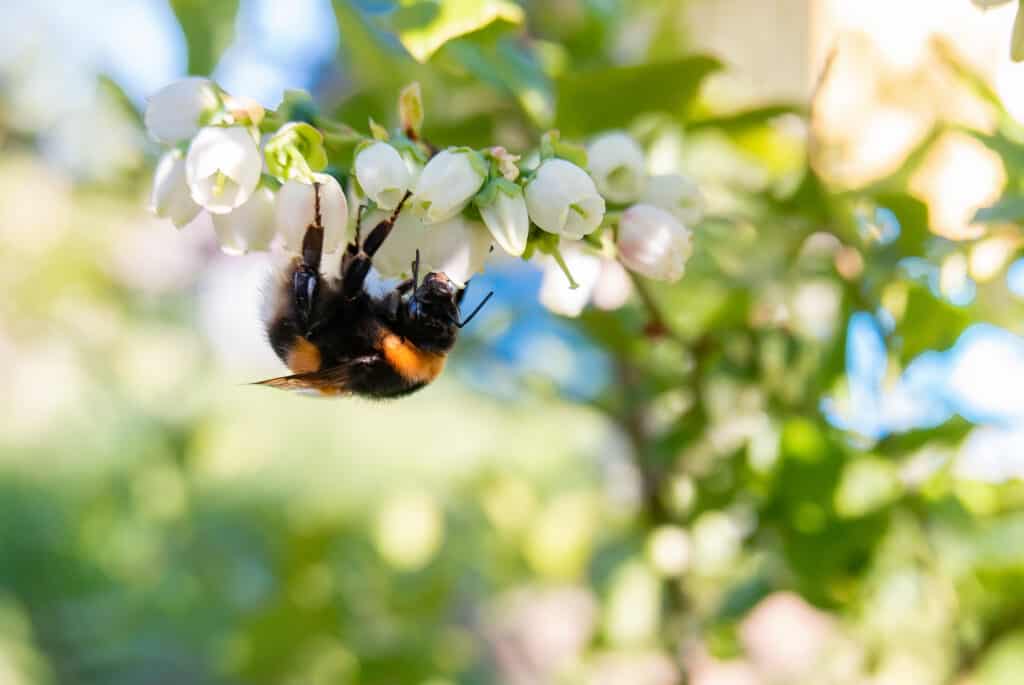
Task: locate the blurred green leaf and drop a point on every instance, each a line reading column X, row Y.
column 610, row 97
column 734, row 123
column 1009, row 209
column 929, row 324
column 424, row 26
column 208, row 27
column 1003, row 663
column 513, row 70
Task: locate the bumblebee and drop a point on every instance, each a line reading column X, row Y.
column 338, row 339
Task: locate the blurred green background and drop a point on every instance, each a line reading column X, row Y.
column 810, row 474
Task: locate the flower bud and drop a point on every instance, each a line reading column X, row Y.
column 677, row 195
column 248, row 228
column 223, row 167
column 555, row 293
column 562, row 199
column 171, row 198
column 447, row 184
column 295, row 211
column 616, row 162
column 174, row 112
column 383, row 174
column 507, row 219
column 244, row 109
column 653, row 243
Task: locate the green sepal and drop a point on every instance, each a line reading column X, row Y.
column 476, row 159
column 488, row 195
column 404, row 144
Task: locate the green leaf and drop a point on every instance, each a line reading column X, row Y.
column 598, row 99
column 1009, row 209
column 1011, row 152
column 735, row 123
column 1003, row 663
column 372, row 64
column 208, row 28
column 509, row 67
column 110, row 89
column 424, row 26
column 929, row 324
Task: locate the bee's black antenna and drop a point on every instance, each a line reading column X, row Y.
column 465, row 322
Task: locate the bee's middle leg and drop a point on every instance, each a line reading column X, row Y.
column 359, row 258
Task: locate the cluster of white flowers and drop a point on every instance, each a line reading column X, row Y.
column 254, row 172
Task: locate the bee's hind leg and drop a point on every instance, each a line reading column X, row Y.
column 305, row 278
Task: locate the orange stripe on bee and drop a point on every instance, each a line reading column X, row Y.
column 411, row 363
column 303, row 357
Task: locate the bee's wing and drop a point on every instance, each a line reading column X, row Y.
column 333, row 381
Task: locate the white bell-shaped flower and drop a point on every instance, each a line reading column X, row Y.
column 174, row 112
column 677, row 195
column 447, row 184
column 508, row 220
column 562, row 199
column 556, row 294
column 250, row 227
column 383, row 174
column 616, row 162
column 614, row 286
column 171, row 198
column 653, row 243
column 223, row 167
column 458, row 247
column 295, row 210
column 395, row 256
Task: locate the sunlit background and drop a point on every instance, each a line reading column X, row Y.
column 816, row 480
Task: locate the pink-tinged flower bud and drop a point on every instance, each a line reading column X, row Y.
column 174, row 112
column 616, row 163
column 295, row 210
column 507, row 219
column 447, row 184
column 171, row 198
column 562, row 199
column 677, row 195
column 223, row 167
column 382, row 174
column 653, row 243
column 248, row 228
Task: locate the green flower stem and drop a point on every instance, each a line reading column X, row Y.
column 557, row 254
column 656, row 318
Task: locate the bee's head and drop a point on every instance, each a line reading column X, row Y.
column 436, row 288
column 433, row 312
